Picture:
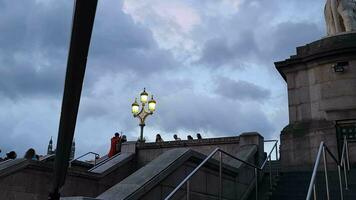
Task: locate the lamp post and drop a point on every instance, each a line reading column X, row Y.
column 143, row 113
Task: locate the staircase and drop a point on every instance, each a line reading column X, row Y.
column 294, row 185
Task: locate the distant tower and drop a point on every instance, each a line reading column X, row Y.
column 72, row 152
column 50, row 147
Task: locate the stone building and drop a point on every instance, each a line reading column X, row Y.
column 321, row 82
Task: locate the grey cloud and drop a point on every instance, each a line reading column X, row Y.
column 119, row 45
column 223, row 52
column 240, row 90
column 252, row 35
column 289, row 35
column 34, row 45
column 33, row 52
column 193, row 112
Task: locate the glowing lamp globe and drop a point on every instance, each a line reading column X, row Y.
column 135, row 108
column 144, row 96
column 152, row 105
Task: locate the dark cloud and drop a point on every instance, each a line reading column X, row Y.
column 125, row 56
column 253, row 35
column 222, row 52
column 34, row 44
column 120, row 45
column 240, row 90
column 288, row 35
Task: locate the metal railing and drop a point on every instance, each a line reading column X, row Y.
column 5, row 161
column 102, row 162
column 96, row 156
column 344, row 162
column 256, row 169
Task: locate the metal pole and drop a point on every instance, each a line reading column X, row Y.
column 82, row 25
column 326, row 174
column 314, row 191
column 340, row 181
column 345, row 174
column 141, row 134
column 220, row 175
column 270, row 172
column 347, row 155
column 277, row 157
column 188, row 188
column 256, row 177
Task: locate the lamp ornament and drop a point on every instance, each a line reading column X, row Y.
column 143, row 113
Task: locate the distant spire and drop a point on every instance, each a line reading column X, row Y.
column 50, row 147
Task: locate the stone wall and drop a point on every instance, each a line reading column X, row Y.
column 146, row 152
column 159, row 177
column 204, row 184
column 33, row 179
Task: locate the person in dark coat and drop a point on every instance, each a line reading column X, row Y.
column 199, row 136
column 11, row 155
column 176, row 138
column 123, row 138
column 159, row 138
column 31, row 155
column 189, row 137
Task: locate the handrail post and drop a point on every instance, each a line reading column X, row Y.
column 345, row 174
column 340, row 181
column 277, row 157
column 270, row 172
column 188, row 189
column 256, row 177
column 326, row 174
column 314, row 191
column 220, row 175
column 347, row 155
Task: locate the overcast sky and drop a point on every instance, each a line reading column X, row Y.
column 209, row 64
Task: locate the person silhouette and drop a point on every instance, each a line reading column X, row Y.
column 199, row 136
column 176, row 138
column 159, row 138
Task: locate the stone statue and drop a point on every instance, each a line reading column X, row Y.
column 340, row 16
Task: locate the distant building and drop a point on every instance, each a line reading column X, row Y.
column 50, row 150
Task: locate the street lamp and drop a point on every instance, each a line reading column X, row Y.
column 143, row 113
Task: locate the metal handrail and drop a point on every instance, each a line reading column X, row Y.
column 256, row 169
column 5, row 161
column 102, row 162
column 95, row 154
column 341, row 163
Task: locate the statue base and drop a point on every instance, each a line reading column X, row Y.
column 321, row 80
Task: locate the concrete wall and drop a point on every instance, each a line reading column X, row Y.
column 146, row 152
column 33, row 182
column 159, row 177
column 203, row 185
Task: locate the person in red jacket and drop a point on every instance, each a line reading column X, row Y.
column 114, row 143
